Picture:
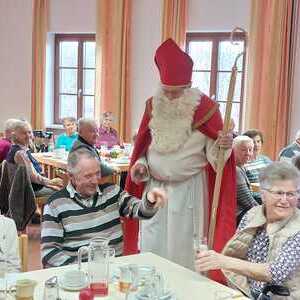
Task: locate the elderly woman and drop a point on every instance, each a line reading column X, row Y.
column 70, row 136
column 108, row 136
column 266, row 246
column 21, row 154
column 258, row 161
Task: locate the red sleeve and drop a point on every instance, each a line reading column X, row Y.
column 142, row 142
column 225, row 223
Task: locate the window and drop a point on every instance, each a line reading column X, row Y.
column 214, row 55
column 74, row 76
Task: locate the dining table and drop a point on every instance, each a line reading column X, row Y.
column 52, row 164
column 183, row 283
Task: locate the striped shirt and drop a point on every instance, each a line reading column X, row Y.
column 245, row 199
column 70, row 222
column 254, row 167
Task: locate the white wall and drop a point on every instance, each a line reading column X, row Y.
column 15, row 59
column 146, row 37
column 72, row 16
column 218, row 15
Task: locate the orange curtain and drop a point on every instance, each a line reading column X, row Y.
column 270, row 68
column 174, row 21
column 113, row 62
column 39, row 38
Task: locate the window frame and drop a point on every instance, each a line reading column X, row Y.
column 216, row 38
column 81, row 38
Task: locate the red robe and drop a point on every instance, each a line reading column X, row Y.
column 225, row 224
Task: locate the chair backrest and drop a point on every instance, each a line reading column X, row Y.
column 21, row 198
column 23, row 250
column 7, row 173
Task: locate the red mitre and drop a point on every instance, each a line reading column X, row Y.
column 174, row 65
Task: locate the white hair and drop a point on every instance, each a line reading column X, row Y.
column 278, row 171
column 297, row 136
column 10, row 123
column 19, row 124
column 74, row 158
column 241, row 139
column 82, row 122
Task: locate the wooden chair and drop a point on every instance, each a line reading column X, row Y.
column 23, row 251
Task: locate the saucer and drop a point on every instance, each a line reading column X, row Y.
column 168, row 295
column 73, row 280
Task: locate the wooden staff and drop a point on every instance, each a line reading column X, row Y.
column 221, row 152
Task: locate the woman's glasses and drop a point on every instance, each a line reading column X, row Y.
column 277, row 195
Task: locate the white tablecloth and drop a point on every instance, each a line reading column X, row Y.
column 185, row 284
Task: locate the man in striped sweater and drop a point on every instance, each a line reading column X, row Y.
column 84, row 210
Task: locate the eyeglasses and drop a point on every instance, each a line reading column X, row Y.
column 279, row 194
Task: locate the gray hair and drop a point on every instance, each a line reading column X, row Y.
column 74, row 158
column 82, row 122
column 19, row 124
column 241, row 139
column 69, row 119
column 278, row 171
column 297, row 136
column 107, row 114
column 10, row 124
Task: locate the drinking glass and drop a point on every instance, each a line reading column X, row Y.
column 127, row 149
column 104, row 146
column 200, row 244
column 126, row 280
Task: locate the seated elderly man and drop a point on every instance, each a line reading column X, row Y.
column 266, row 246
column 87, row 138
column 9, row 245
column 84, row 210
column 243, row 150
column 21, row 154
column 293, row 149
column 5, row 142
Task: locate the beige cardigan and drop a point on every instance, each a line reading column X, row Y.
column 278, row 233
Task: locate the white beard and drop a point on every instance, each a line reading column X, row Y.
column 171, row 123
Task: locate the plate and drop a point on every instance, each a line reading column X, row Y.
column 167, row 296
column 120, row 160
column 67, row 287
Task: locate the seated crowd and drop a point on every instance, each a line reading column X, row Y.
column 265, row 248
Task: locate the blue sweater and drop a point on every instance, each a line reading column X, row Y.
column 65, row 140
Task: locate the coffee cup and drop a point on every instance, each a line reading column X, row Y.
column 23, row 289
